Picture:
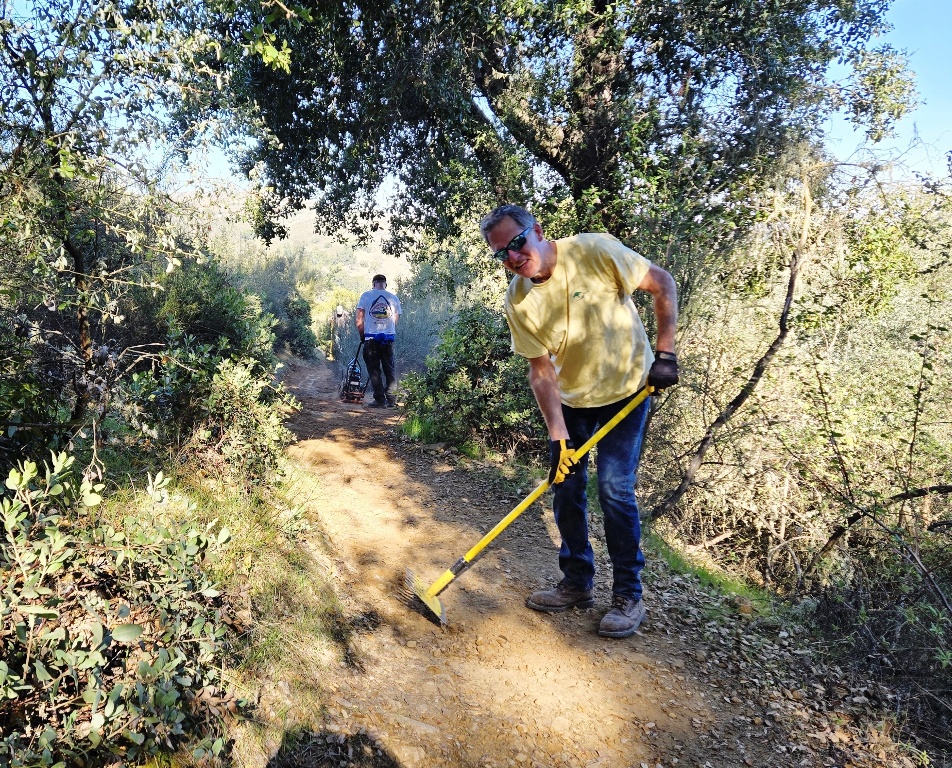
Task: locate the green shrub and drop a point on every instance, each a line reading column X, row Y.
column 243, row 421
column 296, row 330
column 163, row 402
column 336, row 333
column 230, row 416
column 199, row 300
column 474, row 388
column 112, row 640
column 420, row 429
column 212, row 391
column 891, row 613
column 30, row 394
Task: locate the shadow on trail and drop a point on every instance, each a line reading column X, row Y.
column 560, row 695
column 325, row 748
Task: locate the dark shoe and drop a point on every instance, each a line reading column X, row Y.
column 391, row 403
column 624, row 618
column 560, row 598
column 376, row 404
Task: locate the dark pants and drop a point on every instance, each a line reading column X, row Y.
column 378, row 356
column 617, row 464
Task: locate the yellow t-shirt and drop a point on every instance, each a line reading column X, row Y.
column 584, row 318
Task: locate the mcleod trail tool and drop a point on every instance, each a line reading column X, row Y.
column 429, row 595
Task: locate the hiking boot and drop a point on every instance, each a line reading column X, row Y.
column 376, row 404
column 391, row 403
column 560, row 598
column 624, row 618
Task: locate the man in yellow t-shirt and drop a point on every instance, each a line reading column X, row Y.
column 571, row 314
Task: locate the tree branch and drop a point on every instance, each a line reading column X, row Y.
column 796, row 259
column 919, row 493
column 854, row 518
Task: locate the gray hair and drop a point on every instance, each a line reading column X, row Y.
column 494, row 218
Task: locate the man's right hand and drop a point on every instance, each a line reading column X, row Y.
column 563, row 461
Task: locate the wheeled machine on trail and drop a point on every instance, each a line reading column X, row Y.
column 351, row 388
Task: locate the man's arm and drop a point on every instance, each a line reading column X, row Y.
column 659, row 283
column 545, row 387
column 359, row 319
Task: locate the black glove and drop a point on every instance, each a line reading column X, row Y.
column 664, row 370
column 563, row 460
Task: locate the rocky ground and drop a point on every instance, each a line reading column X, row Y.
column 708, row 680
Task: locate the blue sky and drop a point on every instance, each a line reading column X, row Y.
column 922, row 28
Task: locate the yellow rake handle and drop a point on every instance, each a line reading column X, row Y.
column 466, row 560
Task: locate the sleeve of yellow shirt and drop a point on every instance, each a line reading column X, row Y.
column 523, row 343
column 630, row 267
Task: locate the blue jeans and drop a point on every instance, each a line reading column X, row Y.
column 617, row 464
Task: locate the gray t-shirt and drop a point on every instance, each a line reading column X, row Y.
column 381, row 309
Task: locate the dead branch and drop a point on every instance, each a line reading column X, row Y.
column 796, row 259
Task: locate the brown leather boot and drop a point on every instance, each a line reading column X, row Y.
column 560, row 598
column 624, row 618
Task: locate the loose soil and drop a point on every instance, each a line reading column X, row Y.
column 705, row 682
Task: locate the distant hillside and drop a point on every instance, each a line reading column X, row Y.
column 367, row 260
column 358, row 263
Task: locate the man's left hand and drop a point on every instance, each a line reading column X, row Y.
column 664, row 370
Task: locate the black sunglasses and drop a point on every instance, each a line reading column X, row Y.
column 514, row 245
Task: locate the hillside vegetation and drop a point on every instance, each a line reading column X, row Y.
column 145, row 316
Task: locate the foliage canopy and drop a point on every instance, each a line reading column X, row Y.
column 653, row 117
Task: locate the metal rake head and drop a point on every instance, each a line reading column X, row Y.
column 418, row 594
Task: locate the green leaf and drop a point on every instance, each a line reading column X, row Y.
column 127, row 633
column 39, row 610
column 13, row 480
column 42, row 674
column 91, row 499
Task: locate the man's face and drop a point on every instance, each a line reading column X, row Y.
column 527, row 260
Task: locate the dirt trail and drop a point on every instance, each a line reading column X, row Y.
column 501, row 685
